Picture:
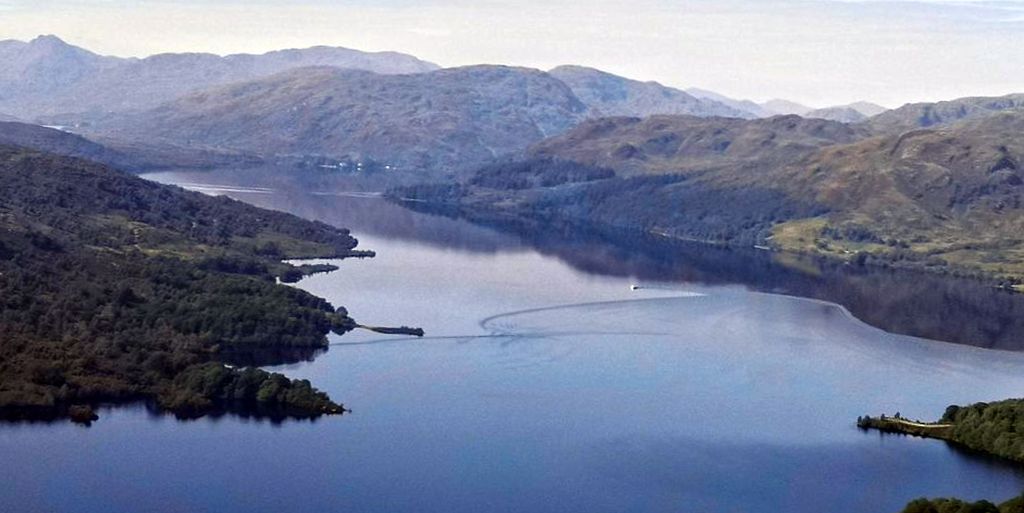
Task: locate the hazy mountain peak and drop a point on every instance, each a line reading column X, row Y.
column 50, row 46
column 754, row 109
column 780, row 106
column 606, row 94
column 850, row 113
column 867, row 108
column 48, row 40
column 843, row 114
column 48, row 77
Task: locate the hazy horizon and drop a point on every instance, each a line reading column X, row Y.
column 816, row 52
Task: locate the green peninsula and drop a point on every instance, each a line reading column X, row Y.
column 114, row 289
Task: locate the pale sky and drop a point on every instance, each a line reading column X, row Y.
column 818, row 52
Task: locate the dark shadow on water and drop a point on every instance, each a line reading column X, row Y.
column 250, row 412
column 731, row 476
column 911, row 303
column 261, row 357
column 916, row 303
column 980, row 458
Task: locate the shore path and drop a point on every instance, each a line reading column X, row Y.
column 917, row 424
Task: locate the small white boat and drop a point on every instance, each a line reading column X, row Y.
column 634, row 287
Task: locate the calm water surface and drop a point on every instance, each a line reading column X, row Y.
column 546, row 384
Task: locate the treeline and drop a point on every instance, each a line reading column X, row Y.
column 202, row 388
column 666, row 204
column 93, row 204
column 995, row 428
column 537, row 172
column 1015, row 505
column 677, row 206
column 113, row 288
column 992, row 428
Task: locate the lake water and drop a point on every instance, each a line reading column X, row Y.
column 546, row 384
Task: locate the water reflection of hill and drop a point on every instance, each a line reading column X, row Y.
column 342, row 202
column 918, row 304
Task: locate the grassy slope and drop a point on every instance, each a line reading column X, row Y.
column 951, row 195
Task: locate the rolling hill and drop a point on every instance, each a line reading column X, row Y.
column 946, row 198
column 136, row 157
column 924, row 115
column 706, row 179
column 687, row 144
column 951, row 194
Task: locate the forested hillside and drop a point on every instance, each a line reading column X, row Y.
column 114, row 288
column 1015, row 505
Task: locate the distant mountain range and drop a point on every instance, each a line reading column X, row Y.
column 852, row 113
column 431, row 121
column 929, row 185
column 442, row 120
column 331, row 103
column 47, row 77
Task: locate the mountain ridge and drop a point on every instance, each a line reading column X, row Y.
column 47, row 77
column 437, row 120
column 928, row 114
column 612, row 95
